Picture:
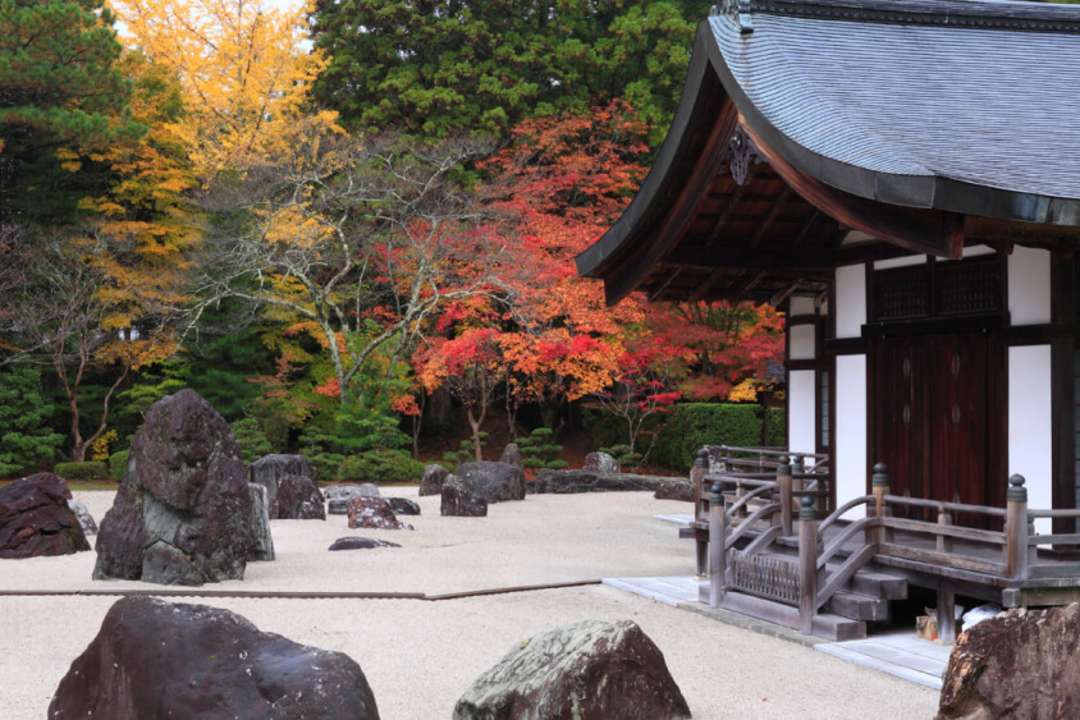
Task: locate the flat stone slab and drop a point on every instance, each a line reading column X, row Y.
column 899, row 654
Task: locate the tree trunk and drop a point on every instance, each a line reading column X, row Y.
column 474, row 423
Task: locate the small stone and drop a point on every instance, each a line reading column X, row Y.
column 601, row 462
column 432, row 481
column 404, row 506
column 360, row 543
column 374, row 513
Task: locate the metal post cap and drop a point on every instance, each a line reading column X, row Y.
column 880, row 476
column 807, row 511
column 716, row 492
column 1017, row 492
column 783, row 468
column 702, row 458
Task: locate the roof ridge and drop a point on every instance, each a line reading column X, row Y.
column 972, row 14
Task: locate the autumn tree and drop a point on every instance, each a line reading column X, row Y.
column 356, row 243
column 60, row 92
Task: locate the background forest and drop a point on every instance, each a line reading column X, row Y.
column 351, row 227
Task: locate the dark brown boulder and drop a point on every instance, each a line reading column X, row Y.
column 153, row 659
column 270, row 470
column 1023, row 664
column 374, row 512
column 458, row 499
column 298, row 498
column 183, row 512
column 35, row 518
column 494, row 481
column 590, row 670
column 432, row 481
column 360, row 543
column 675, row 490
column 404, row 506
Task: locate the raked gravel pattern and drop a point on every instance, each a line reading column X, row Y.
column 421, row 656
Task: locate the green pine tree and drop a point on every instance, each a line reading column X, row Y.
column 27, row 442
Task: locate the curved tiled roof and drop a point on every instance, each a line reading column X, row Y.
column 965, row 106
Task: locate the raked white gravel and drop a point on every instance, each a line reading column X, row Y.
column 420, row 656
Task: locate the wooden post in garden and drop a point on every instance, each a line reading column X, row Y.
column 1016, row 529
column 944, row 543
column 785, row 484
column 697, row 482
column 808, row 554
column 946, row 614
column 717, row 541
column 879, row 488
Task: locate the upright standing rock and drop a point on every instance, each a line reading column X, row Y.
column 1021, row 664
column 86, row 520
column 153, row 659
column 270, row 470
column 183, row 512
column 458, row 499
column 35, row 518
column 262, row 542
column 298, row 498
column 591, row 670
column 494, row 481
column 432, row 481
column 511, row 455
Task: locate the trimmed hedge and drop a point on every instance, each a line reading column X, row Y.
column 93, row 470
column 380, row 467
column 688, row 426
column 118, row 464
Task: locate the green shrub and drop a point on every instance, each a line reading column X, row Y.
column 251, row 439
column 381, row 466
column 92, row 470
column 626, row 457
column 118, row 464
column 27, row 442
column 539, row 451
column 466, row 452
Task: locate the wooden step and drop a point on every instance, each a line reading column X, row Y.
column 858, row 606
column 883, row 585
column 826, row 625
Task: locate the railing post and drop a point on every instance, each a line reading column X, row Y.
column 1016, row 529
column 785, row 483
column 944, row 544
column 808, row 554
column 697, row 480
column 879, row 488
column 717, row 552
column 722, row 465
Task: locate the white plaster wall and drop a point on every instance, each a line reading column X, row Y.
column 849, row 438
column 802, row 415
column 1031, row 424
column 850, row 300
column 904, row 261
column 802, row 342
column 1029, row 286
column 801, row 305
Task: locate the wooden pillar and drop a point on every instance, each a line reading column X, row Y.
column 808, row 554
column 946, row 614
column 697, row 482
column 785, row 484
column 1016, row 529
column 944, row 543
column 879, row 488
column 717, row 551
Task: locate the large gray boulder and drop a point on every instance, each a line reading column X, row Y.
column 432, row 481
column 1021, row 664
column 298, row 498
column 262, row 542
column 153, row 659
column 493, row 481
column 590, row 670
column 270, row 470
column 601, row 462
column 183, row 512
column 585, row 481
column 339, row 496
column 459, row 499
column 35, row 518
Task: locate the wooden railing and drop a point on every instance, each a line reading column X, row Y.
column 940, row 546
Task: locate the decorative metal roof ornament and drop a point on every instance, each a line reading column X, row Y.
column 743, row 154
column 739, row 11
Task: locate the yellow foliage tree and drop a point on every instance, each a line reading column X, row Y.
column 245, row 71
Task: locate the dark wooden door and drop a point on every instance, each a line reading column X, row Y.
column 933, row 421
